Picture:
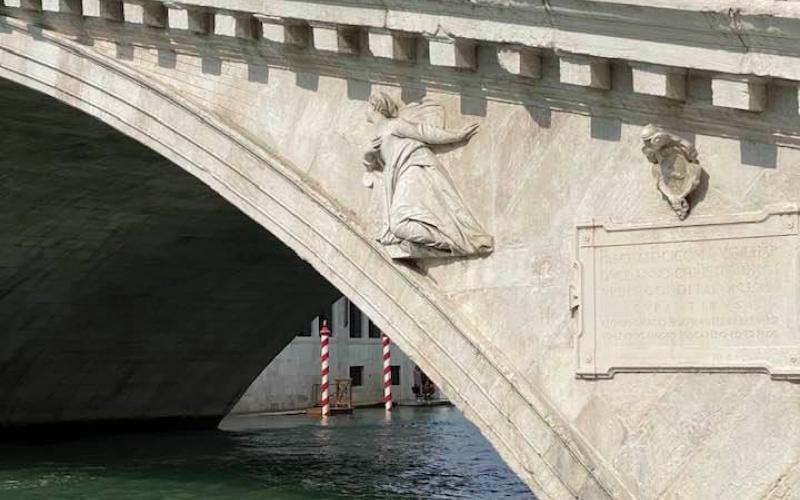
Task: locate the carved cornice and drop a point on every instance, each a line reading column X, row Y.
column 730, row 37
column 755, row 109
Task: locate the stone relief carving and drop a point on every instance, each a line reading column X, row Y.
column 675, row 167
column 424, row 216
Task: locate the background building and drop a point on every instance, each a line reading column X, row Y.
column 291, row 381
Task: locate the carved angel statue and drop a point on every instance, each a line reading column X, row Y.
column 424, row 212
column 675, row 167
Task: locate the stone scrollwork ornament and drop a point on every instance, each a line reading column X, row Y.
column 675, row 167
column 424, row 216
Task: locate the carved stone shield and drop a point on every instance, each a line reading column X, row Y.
column 675, row 167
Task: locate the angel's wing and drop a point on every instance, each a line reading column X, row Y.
column 427, row 112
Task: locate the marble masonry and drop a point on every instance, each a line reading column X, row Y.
column 581, row 218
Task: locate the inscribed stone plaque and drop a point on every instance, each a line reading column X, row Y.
column 711, row 294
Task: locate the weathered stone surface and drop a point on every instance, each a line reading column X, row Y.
column 147, row 12
column 196, row 20
column 702, row 31
column 660, row 81
column 453, row 53
column 520, row 61
column 584, row 71
column 343, row 39
column 62, row 6
column 425, row 216
column 105, row 9
column 675, row 167
column 740, row 93
column 395, row 46
column 280, row 133
column 718, row 293
column 24, row 4
column 288, row 31
column 232, row 24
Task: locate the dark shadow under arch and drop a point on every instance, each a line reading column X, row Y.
column 130, row 292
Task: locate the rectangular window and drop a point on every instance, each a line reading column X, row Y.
column 356, row 375
column 374, row 331
column 355, row 320
column 395, row 374
column 308, row 329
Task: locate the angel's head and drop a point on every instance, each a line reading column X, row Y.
column 381, row 106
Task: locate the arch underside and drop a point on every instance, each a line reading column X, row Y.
column 130, row 293
column 517, row 419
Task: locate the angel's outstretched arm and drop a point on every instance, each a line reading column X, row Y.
column 432, row 135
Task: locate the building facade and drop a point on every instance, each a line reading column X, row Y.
column 291, row 381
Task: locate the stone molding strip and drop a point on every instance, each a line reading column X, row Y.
column 741, row 71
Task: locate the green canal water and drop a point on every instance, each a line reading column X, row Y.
column 419, row 453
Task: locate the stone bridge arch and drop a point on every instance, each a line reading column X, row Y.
column 562, row 91
column 529, row 433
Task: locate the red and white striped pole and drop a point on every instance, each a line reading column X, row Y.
column 324, row 341
column 387, row 372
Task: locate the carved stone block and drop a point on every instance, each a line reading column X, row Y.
column 399, row 47
column 719, row 293
column 285, row 31
column 453, row 53
column 235, row 24
column 749, row 94
column 584, row 71
column 381, row 44
column 24, row 4
column 73, row 7
column 145, row 12
column 660, row 81
column 520, row 61
column 196, row 20
column 325, row 38
column 341, row 39
column 104, row 9
column 272, row 29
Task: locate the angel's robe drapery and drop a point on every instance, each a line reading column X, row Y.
column 423, row 205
